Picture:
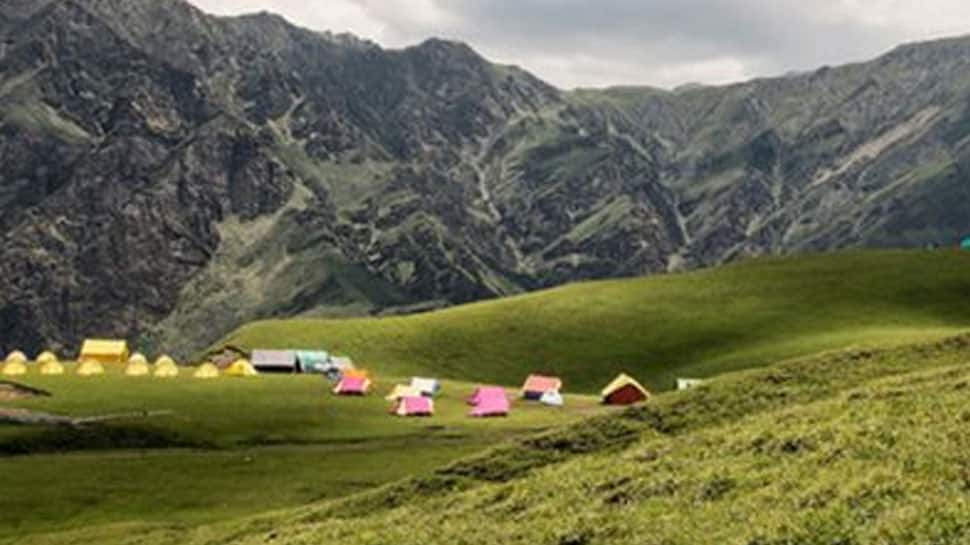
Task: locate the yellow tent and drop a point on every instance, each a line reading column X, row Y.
column 166, row 371
column 138, row 357
column 14, row 369
column 16, row 355
column 51, row 368
column 401, row 390
column 104, row 351
column 241, row 368
column 46, row 357
column 206, row 370
column 89, row 368
column 164, row 359
column 165, row 367
column 137, row 368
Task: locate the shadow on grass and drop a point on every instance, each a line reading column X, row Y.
column 60, row 439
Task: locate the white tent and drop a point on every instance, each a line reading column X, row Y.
column 553, row 399
column 427, row 386
column 688, row 383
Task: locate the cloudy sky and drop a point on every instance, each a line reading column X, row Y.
column 596, row 43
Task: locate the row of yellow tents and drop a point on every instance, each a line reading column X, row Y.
column 136, row 366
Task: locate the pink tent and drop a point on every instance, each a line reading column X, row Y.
column 413, row 406
column 352, row 386
column 485, row 392
column 493, row 406
column 489, row 401
column 536, row 385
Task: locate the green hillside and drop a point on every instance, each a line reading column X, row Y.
column 694, row 324
column 854, row 447
column 853, row 433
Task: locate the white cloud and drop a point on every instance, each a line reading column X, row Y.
column 337, row 15
column 637, row 42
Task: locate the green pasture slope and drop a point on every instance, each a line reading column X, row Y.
column 695, row 324
column 856, row 447
column 840, row 440
column 230, row 448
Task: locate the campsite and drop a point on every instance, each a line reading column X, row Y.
column 484, row 272
column 221, row 446
column 273, row 441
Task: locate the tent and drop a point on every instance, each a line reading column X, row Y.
column 493, row 406
column 275, row 361
column 206, row 370
column 14, row 368
column 51, row 368
column 349, row 386
column 536, row 385
column 336, row 368
column 354, row 373
column 484, row 392
column 89, row 368
column 138, row 357
column 241, row 368
column 104, row 351
column 400, row 391
column 313, row 361
column 166, row 368
column 688, row 383
column 137, row 367
column 553, row 399
column 413, row 406
column 46, row 357
column 16, row 355
column 426, row 386
column 489, row 401
column 164, row 360
column 965, row 243
column 624, row 390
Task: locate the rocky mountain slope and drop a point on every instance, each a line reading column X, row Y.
column 169, row 174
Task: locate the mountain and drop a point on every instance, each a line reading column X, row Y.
column 169, row 175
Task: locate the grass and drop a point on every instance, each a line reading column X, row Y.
column 230, row 448
column 856, row 436
column 862, row 446
column 695, row 324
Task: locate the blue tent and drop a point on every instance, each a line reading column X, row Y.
column 965, row 244
column 313, row 361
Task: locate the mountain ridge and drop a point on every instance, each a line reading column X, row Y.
column 270, row 170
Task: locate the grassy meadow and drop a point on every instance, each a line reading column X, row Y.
column 230, row 447
column 836, row 414
column 851, row 447
column 695, row 324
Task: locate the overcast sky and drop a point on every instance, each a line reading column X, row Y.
column 597, row 43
